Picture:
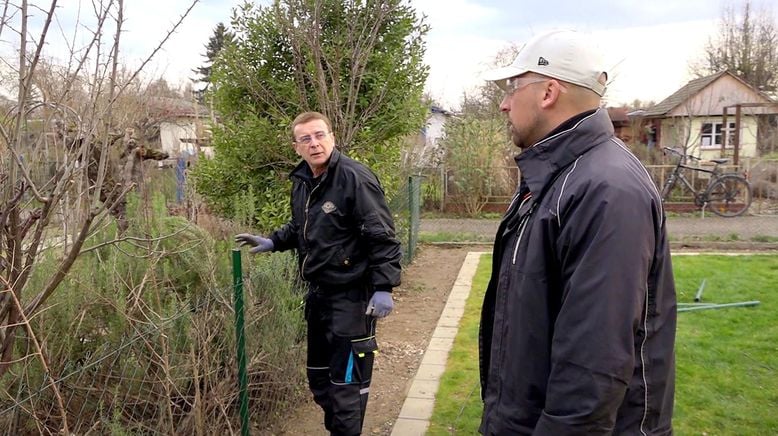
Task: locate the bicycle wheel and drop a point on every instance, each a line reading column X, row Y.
column 729, row 195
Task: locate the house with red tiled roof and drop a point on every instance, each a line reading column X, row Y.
column 622, row 127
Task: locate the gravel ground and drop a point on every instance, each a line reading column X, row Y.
column 745, row 228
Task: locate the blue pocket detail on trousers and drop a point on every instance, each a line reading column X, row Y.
column 350, row 367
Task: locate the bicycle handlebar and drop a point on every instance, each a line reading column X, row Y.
column 671, row 150
column 680, row 154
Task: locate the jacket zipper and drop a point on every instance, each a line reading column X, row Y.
column 522, row 226
column 513, row 201
column 305, row 229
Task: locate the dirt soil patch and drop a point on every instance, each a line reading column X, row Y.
column 402, row 339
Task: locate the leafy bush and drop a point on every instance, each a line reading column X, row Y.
column 363, row 69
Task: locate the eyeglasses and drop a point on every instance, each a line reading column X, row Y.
column 308, row 139
column 514, row 84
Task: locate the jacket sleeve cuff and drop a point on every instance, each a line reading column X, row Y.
column 382, row 289
column 276, row 242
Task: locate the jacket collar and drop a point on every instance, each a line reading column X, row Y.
column 303, row 172
column 540, row 163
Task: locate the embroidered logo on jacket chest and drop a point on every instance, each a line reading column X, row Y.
column 328, row 207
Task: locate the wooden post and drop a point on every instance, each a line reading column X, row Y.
column 723, row 133
column 738, row 113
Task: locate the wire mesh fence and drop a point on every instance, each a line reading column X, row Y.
column 169, row 371
column 443, row 189
column 140, row 337
column 406, row 208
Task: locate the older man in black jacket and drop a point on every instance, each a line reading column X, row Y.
column 578, row 321
column 348, row 254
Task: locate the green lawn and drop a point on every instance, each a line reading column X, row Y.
column 432, row 237
column 458, row 401
column 727, row 359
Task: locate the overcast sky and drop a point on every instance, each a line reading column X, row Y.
column 648, row 44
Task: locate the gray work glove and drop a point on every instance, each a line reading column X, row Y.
column 259, row 244
column 380, row 304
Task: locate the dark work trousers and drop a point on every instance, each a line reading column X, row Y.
column 341, row 348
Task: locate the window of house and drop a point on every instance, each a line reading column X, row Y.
column 712, row 135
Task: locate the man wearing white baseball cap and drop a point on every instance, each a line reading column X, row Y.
column 577, row 330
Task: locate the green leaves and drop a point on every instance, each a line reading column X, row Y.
column 359, row 63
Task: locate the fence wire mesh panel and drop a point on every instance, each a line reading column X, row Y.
column 446, row 190
column 414, row 212
column 166, row 365
column 762, row 173
column 405, row 206
column 478, row 189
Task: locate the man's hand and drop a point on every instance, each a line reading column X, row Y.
column 380, row 304
column 259, row 244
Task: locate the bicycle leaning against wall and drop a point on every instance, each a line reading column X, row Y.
column 727, row 194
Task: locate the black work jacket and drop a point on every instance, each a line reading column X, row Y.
column 341, row 227
column 578, row 324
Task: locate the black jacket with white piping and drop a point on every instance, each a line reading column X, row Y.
column 578, row 323
column 341, row 227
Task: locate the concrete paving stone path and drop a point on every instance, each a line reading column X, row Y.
column 417, row 408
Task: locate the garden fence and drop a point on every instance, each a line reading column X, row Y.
column 441, row 187
column 173, row 374
column 406, row 206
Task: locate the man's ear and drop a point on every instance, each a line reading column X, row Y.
column 552, row 92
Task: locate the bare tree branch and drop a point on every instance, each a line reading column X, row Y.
column 3, row 17
column 132, row 238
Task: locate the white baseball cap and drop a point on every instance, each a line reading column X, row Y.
column 562, row 54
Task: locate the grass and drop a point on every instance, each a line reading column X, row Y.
column 732, row 237
column 727, row 360
column 433, row 237
column 764, row 238
column 435, row 214
column 458, row 401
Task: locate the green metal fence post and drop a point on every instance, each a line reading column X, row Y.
column 414, row 216
column 240, row 336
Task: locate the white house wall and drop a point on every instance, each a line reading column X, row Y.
column 433, row 132
column 171, row 135
column 748, row 130
column 435, row 128
column 680, row 130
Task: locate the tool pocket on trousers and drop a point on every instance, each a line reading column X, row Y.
column 348, row 317
column 363, row 351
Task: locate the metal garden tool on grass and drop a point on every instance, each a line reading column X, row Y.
column 691, row 306
column 698, row 305
column 698, row 296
